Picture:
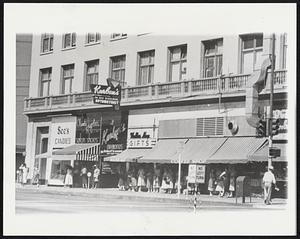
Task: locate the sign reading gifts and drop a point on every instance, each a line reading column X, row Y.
column 63, row 132
column 141, row 137
column 196, row 173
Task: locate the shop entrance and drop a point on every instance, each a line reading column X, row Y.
column 42, row 169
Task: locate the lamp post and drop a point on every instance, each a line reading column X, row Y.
column 181, row 143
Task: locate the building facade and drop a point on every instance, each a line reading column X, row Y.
column 188, row 89
column 23, row 61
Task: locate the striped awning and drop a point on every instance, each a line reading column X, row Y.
column 237, row 150
column 81, row 152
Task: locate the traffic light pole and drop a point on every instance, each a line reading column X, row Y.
column 271, row 100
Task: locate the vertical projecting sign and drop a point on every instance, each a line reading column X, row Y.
column 109, row 94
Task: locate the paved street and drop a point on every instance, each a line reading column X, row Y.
column 28, row 202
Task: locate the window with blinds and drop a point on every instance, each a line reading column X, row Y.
column 210, row 126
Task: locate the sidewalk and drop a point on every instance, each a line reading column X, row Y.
column 114, row 193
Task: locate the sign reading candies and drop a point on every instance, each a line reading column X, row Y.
column 62, row 134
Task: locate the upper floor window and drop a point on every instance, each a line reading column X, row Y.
column 177, row 63
column 69, row 40
column 118, row 68
column 45, row 80
column 47, row 43
column 213, row 54
column 146, row 67
column 252, row 48
column 283, row 50
column 93, row 38
column 91, row 75
column 118, row 36
column 67, row 79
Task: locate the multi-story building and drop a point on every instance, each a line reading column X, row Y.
column 189, row 89
column 23, row 59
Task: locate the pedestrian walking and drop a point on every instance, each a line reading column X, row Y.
column 84, row 177
column 69, row 178
column 96, row 176
column 211, row 183
column 36, row 176
column 268, row 180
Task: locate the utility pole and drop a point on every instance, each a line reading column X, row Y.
column 181, row 144
column 100, row 143
column 271, row 100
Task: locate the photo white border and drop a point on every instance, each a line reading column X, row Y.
column 159, row 19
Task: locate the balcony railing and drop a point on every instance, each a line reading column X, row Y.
column 159, row 91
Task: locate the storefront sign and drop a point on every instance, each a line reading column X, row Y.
column 196, row 173
column 141, row 138
column 62, row 134
column 113, row 131
column 106, row 94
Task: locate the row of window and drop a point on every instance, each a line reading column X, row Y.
column 212, row 60
column 69, row 40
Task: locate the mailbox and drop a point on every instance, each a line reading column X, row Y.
column 243, row 188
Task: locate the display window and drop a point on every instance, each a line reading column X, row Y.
column 59, row 169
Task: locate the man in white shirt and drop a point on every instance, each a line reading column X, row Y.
column 268, row 179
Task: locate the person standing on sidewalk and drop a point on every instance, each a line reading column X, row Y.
column 211, row 183
column 84, row 178
column 36, row 176
column 268, row 180
column 96, row 176
column 69, row 178
column 24, row 170
column 141, row 179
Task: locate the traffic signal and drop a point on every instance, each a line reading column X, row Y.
column 261, row 128
column 275, row 126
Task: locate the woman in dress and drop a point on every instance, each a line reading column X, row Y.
column 220, row 184
column 69, row 178
column 211, row 183
column 141, row 179
column 149, row 182
column 156, row 183
column 231, row 186
column 24, row 170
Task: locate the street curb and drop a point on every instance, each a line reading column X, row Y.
column 107, row 195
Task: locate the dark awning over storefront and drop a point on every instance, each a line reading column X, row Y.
column 82, row 152
column 128, row 155
column 236, row 150
column 261, row 155
column 200, row 149
column 165, row 151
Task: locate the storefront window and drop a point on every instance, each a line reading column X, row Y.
column 59, row 169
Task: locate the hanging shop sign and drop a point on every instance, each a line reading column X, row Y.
column 141, row 137
column 109, row 94
column 196, row 173
column 113, row 132
column 63, row 132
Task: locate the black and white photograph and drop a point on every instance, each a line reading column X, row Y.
column 149, row 119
